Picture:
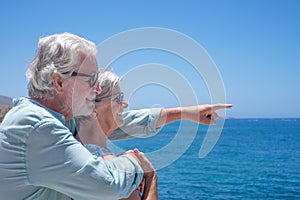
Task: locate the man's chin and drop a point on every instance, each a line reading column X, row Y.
column 85, row 112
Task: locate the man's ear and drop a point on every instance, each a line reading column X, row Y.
column 58, row 82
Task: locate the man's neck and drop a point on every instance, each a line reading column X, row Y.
column 57, row 107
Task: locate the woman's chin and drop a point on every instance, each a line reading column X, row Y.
column 120, row 122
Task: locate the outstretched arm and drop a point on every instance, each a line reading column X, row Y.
column 201, row 114
column 139, row 123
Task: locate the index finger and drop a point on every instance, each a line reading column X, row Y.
column 221, row 106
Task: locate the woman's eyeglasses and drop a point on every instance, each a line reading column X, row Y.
column 119, row 97
column 93, row 77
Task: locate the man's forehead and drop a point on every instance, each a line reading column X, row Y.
column 87, row 61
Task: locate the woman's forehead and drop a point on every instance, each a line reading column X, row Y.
column 111, row 91
column 115, row 90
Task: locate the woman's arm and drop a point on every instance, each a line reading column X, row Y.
column 144, row 122
column 150, row 188
column 201, row 114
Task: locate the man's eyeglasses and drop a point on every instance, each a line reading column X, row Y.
column 119, row 97
column 93, row 77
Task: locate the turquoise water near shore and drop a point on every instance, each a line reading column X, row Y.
column 253, row 159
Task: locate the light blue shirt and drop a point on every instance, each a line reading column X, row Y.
column 137, row 123
column 98, row 150
column 40, row 159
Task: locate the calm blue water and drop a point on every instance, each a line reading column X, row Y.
column 253, row 159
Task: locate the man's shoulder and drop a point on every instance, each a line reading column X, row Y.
column 26, row 111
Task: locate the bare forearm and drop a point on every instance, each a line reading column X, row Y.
column 150, row 189
column 202, row 114
column 168, row 115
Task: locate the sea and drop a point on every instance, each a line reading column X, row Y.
column 252, row 159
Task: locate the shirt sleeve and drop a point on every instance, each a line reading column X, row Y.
column 137, row 123
column 57, row 161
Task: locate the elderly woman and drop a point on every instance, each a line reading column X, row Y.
column 107, row 116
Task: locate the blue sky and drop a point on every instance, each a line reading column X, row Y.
column 255, row 45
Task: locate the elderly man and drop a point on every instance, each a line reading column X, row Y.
column 39, row 157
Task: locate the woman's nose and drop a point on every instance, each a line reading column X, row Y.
column 97, row 88
column 124, row 104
